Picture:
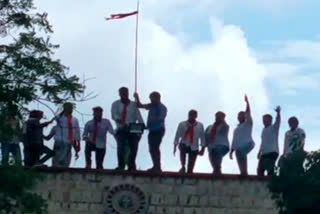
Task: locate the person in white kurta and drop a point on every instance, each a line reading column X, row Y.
column 242, row 142
column 189, row 135
column 269, row 148
column 217, row 141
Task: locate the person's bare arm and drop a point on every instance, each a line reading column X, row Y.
column 139, row 104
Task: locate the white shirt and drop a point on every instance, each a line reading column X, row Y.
column 221, row 137
column 294, row 141
column 269, row 138
column 243, row 134
column 198, row 135
column 133, row 113
column 103, row 126
column 61, row 129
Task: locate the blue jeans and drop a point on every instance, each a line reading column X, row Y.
column 14, row 149
column 216, row 155
column 241, row 155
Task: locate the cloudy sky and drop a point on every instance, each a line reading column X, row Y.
column 199, row 54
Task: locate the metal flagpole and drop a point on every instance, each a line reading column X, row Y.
column 136, row 51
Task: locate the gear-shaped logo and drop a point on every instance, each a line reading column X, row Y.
column 125, row 199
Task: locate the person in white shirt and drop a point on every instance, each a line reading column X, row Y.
column 188, row 135
column 126, row 113
column 67, row 135
column 242, row 142
column 294, row 138
column 217, row 141
column 269, row 148
column 95, row 136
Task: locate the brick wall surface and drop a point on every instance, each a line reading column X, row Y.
column 83, row 191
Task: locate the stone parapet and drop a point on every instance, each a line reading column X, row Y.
column 105, row 191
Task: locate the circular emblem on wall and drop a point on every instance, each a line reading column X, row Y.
column 125, row 199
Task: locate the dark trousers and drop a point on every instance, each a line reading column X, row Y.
column 32, row 154
column 216, row 155
column 154, row 141
column 127, row 149
column 48, row 153
column 100, row 153
column 184, row 151
column 14, row 149
column 267, row 163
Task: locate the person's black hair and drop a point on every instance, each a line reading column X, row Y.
column 220, row 113
column 123, row 88
column 155, row 94
column 97, row 108
column 291, row 119
column 193, row 111
column 267, row 116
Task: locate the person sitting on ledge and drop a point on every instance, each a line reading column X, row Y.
column 156, row 126
column 242, row 142
column 188, row 135
column 269, row 149
column 125, row 113
column 95, row 136
column 217, row 141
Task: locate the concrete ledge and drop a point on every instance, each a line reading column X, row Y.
column 167, row 174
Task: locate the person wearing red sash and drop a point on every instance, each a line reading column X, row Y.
column 95, row 136
column 217, row 141
column 67, row 135
column 188, row 136
column 125, row 113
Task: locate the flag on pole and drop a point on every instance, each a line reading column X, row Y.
column 121, row 15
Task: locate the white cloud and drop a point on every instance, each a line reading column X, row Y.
column 207, row 76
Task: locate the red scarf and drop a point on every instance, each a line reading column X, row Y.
column 124, row 112
column 213, row 131
column 70, row 128
column 190, row 133
column 95, row 131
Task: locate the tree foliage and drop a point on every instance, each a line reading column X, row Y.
column 16, row 194
column 28, row 69
column 296, row 188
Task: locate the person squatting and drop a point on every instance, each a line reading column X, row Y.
column 191, row 138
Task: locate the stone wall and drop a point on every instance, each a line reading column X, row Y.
column 92, row 191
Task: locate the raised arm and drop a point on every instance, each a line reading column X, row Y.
column 139, row 104
column 246, row 99
column 248, row 109
column 278, row 118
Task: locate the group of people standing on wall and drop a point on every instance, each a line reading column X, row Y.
column 191, row 138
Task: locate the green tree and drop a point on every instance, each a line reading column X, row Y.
column 296, row 188
column 28, row 72
column 16, row 194
column 28, row 69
